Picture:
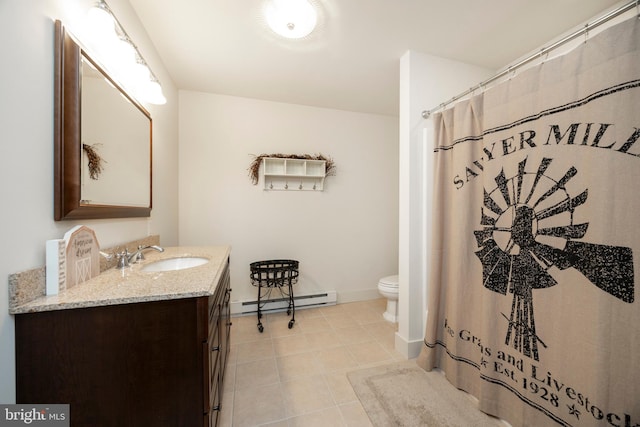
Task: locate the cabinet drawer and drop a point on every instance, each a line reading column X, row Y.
column 213, row 376
column 213, row 356
column 214, row 308
column 214, row 325
column 214, row 382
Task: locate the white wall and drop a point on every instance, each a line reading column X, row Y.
column 26, row 151
column 425, row 82
column 345, row 237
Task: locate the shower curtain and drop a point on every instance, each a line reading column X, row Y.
column 532, row 292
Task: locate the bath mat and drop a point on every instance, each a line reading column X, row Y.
column 403, row 394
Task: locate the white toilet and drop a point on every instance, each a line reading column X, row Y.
column 388, row 288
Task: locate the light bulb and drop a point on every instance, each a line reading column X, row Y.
column 152, row 93
column 139, row 73
column 100, row 22
column 290, row 18
column 118, row 56
column 124, row 54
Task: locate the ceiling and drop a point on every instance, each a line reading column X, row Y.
column 351, row 61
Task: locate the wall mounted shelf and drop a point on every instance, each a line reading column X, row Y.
column 293, row 174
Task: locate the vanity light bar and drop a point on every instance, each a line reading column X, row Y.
column 121, row 56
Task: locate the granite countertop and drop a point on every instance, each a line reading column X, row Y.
column 131, row 285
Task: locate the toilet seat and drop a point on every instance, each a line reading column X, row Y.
column 389, row 282
column 391, row 289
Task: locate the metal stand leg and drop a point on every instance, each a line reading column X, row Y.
column 260, row 327
column 292, row 306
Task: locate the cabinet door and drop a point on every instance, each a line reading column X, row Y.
column 135, row 362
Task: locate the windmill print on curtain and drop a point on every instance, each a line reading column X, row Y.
column 535, row 259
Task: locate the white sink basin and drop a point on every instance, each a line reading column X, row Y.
column 171, row 264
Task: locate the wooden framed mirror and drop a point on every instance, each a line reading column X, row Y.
column 102, row 140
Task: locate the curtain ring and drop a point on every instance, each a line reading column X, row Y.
column 586, row 31
column 544, row 55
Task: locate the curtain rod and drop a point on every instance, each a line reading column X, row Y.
column 543, row 51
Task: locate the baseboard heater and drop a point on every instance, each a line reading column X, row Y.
column 280, row 304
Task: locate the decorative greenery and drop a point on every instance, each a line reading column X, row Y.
column 96, row 162
column 254, row 168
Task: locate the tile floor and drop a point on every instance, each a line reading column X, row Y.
column 297, row 377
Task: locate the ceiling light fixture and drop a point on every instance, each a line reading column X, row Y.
column 292, row 19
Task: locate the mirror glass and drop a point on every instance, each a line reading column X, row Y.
column 115, row 144
column 102, row 141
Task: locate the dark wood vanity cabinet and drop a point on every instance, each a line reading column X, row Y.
column 157, row 363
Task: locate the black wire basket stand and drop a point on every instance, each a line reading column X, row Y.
column 269, row 275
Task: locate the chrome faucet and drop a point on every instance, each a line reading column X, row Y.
column 138, row 255
column 125, row 258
